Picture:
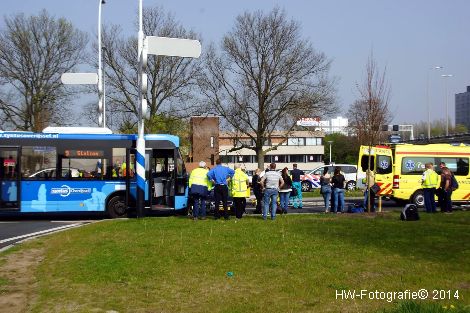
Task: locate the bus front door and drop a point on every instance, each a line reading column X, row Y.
column 9, row 175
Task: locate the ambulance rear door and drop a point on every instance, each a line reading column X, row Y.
column 381, row 164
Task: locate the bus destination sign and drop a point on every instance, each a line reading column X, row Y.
column 83, row 153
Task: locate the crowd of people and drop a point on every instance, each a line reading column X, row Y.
column 223, row 181
column 270, row 185
column 429, row 182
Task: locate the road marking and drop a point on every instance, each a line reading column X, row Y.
column 39, row 232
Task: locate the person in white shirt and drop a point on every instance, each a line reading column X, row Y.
column 271, row 181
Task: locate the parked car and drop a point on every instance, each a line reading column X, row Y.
column 311, row 180
column 51, row 173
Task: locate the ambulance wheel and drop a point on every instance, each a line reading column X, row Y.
column 117, row 207
column 305, row 186
column 418, row 199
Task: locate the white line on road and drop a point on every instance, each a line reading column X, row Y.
column 40, row 232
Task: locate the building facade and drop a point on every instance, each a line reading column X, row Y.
column 302, row 147
column 306, row 148
column 462, row 108
column 204, row 139
column 335, row 125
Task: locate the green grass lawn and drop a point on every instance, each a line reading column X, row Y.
column 296, row 263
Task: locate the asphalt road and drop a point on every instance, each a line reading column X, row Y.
column 13, row 231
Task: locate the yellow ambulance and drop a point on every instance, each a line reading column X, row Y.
column 398, row 168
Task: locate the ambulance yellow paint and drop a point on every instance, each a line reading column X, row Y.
column 398, row 168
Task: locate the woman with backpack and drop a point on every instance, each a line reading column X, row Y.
column 446, row 190
column 285, row 190
column 325, row 188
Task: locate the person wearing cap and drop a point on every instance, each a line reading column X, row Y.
column 220, row 175
column 239, row 186
column 199, row 184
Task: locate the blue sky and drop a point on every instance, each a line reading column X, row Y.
column 406, row 36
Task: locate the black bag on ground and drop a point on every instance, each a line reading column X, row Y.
column 409, row 213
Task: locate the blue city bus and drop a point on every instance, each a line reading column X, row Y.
column 64, row 172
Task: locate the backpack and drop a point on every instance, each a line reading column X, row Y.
column 357, row 208
column 409, row 213
column 454, row 183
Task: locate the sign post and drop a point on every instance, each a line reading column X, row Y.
column 156, row 46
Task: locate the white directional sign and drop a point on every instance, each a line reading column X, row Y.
column 175, row 47
column 79, row 78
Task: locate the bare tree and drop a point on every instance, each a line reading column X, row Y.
column 265, row 78
column 438, row 128
column 371, row 110
column 170, row 79
column 34, row 52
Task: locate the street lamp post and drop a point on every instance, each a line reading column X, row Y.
column 445, row 76
column 101, row 108
column 330, row 142
column 427, row 97
column 104, row 90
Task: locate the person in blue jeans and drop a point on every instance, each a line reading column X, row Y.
column 285, row 190
column 271, row 181
column 325, row 188
column 220, row 175
column 297, row 184
column 338, row 190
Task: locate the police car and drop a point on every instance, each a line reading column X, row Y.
column 311, row 180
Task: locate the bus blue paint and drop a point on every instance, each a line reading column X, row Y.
column 66, row 172
column 67, row 196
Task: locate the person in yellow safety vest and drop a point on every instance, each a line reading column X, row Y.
column 124, row 172
column 116, row 169
column 239, row 187
column 199, row 185
column 429, row 183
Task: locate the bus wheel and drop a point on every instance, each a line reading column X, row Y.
column 305, row 186
column 117, row 207
column 418, row 199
